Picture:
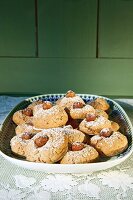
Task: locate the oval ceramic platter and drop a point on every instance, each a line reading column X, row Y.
column 116, row 113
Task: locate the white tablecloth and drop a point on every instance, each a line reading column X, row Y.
column 17, row 183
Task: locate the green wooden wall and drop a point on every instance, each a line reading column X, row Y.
column 67, row 28
column 50, row 46
column 17, row 28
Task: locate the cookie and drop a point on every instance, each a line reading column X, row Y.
column 69, row 99
column 22, row 128
column 115, row 126
column 74, row 135
column 46, row 105
column 19, row 142
column 100, row 104
column 101, row 113
column 80, row 153
column 48, row 146
column 79, row 113
column 23, row 116
column 112, row 145
column 93, row 127
column 34, row 103
column 49, row 118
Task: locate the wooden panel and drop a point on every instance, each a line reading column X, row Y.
column 116, row 28
column 17, row 28
column 39, row 75
column 67, row 28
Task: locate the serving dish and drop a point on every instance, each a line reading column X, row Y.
column 116, row 113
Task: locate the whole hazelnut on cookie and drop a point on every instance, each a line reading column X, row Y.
column 106, row 132
column 77, row 146
column 27, row 136
column 40, row 141
column 90, row 117
column 70, row 93
column 47, row 105
column 27, row 112
column 78, row 105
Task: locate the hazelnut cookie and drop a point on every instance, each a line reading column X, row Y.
column 19, row 143
column 23, row 116
column 52, row 117
column 69, row 99
column 109, row 144
column 79, row 111
column 100, row 103
column 48, row 146
column 26, row 127
column 92, row 125
column 80, row 153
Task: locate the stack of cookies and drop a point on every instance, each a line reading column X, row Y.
column 69, row 131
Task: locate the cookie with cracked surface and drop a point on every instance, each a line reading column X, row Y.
column 34, row 103
column 80, row 111
column 111, row 145
column 46, row 105
column 69, row 99
column 21, row 128
column 49, row 118
column 101, row 113
column 19, row 142
column 48, row 146
column 23, row 116
column 74, row 135
column 93, row 126
column 80, row 153
column 100, row 104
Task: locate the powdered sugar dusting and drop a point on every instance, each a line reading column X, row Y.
column 37, row 129
column 111, row 140
column 80, row 113
column 18, row 139
column 88, row 109
column 85, row 155
column 67, row 127
column 68, row 101
column 105, row 130
column 56, row 138
column 100, row 121
column 41, row 112
column 96, row 137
